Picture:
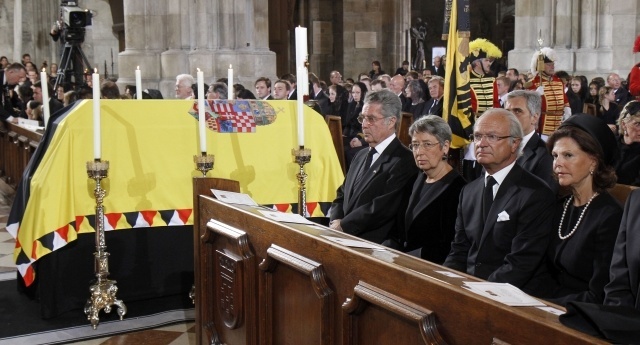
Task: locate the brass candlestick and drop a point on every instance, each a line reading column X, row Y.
column 103, row 291
column 204, row 163
column 302, row 156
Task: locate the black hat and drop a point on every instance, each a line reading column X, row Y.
column 599, row 130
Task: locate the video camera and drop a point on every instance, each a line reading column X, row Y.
column 75, row 20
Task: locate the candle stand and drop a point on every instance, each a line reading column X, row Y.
column 103, row 291
column 302, row 156
column 204, row 163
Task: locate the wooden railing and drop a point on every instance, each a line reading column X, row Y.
column 17, row 145
column 263, row 282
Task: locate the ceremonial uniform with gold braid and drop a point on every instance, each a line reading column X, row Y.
column 482, row 86
column 554, row 101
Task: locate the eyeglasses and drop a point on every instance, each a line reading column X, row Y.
column 426, row 145
column 491, row 138
column 368, row 118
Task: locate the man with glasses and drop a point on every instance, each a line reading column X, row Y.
column 367, row 202
column 504, row 218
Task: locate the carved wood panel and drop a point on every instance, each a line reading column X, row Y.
column 374, row 316
column 297, row 306
column 228, row 286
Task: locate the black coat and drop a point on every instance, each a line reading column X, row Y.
column 579, row 265
column 428, row 221
column 368, row 207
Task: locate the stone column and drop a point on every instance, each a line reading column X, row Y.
column 144, row 24
column 586, row 60
column 562, row 32
column 17, row 31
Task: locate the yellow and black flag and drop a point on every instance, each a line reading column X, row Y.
column 457, row 94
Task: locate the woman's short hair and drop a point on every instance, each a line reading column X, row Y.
column 604, row 176
column 434, row 125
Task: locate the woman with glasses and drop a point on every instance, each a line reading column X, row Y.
column 352, row 138
column 628, row 166
column 427, row 227
column 586, row 221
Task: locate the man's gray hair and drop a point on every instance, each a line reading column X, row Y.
column 391, row 105
column 534, row 100
column 434, row 125
column 185, row 80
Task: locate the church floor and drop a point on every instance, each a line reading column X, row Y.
column 178, row 334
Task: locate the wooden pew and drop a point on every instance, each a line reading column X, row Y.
column 335, row 128
column 403, row 131
column 590, row 109
column 621, row 192
column 17, row 145
column 263, row 282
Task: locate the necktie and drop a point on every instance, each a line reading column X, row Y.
column 433, row 106
column 367, row 162
column 487, row 196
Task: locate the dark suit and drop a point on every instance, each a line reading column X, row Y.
column 509, row 251
column 293, row 96
column 428, row 220
column 439, row 72
column 368, row 207
column 622, row 96
column 268, row 98
column 536, row 159
column 431, row 109
column 624, row 283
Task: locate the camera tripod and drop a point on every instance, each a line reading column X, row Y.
column 72, row 56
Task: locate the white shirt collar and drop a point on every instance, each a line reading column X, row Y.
column 526, row 139
column 382, row 146
column 499, row 176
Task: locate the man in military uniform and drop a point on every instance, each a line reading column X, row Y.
column 482, row 53
column 555, row 104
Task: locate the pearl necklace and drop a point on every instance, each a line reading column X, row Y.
column 566, row 205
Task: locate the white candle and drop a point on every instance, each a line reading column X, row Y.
column 45, row 96
column 138, row 83
column 201, row 116
column 300, row 104
column 301, row 58
column 96, row 115
column 230, row 82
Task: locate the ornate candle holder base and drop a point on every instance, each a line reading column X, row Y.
column 204, row 163
column 103, row 291
column 302, row 156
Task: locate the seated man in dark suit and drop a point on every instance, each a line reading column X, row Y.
column 54, row 104
column 503, row 225
column 367, row 202
column 535, row 158
column 436, row 91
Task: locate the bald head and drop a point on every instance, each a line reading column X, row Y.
column 397, row 84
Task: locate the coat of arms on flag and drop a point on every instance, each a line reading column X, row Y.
column 239, row 116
